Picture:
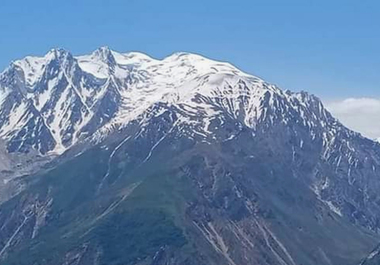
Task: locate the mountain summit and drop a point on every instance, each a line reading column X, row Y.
column 61, row 98
column 119, row 158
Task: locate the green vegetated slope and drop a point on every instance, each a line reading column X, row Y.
column 188, row 203
column 129, row 222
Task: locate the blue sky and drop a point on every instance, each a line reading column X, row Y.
column 330, row 48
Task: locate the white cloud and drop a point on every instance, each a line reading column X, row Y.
column 359, row 114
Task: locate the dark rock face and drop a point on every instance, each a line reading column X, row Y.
column 225, row 169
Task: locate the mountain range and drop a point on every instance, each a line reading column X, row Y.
column 118, row 158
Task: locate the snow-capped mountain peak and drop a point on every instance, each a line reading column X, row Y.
column 50, row 103
column 103, row 53
column 32, row 68
column 268, row 165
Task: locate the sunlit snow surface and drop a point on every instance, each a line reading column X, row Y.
column 51, row 83
column 66, row 91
